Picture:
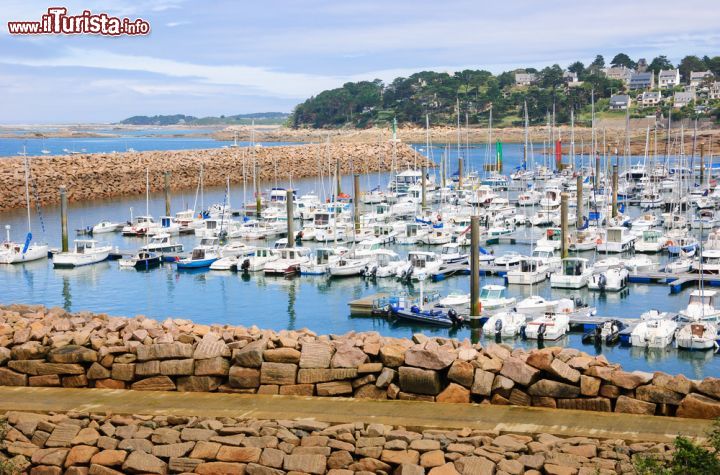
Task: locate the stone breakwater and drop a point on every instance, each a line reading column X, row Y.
column 106, row 175
column 50, row 347
column 100, row 444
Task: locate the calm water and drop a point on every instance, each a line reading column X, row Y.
column 317, row 303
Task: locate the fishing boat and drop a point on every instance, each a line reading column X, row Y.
column 612, row 280
column 574, row 274
column 530, row 271
column 85, row 252
column 697, row 336
column 141, row 260
column 701, row 306
column 504, row 325
column 450, row 253
column 257, row 262
column 617, row 239
column 651, row 241
column 288, row 262
column 106, row 227
column 548, row 327
column 202, row 256
column 653, row 333
column 321, row 259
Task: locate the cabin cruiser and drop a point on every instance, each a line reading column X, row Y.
column 548, row 327
column 167, row 225
column 139, row 226
column 574, row 274
column 548, row 257
column 529, row 198
column 551, row 198
column 508, row 260
column 645, row 222
column 106, row 227
column 653, row 333
column 638, row 264
column 142, row 260
column 697, row 336
column 614, row 279
column 701, row 306
column 257, row 262
column 188, row 222
column 705, row 219
column 86, row 252
column 348, row 265
column 530, row 271
column 504, row 325
column 385, row 233
column 233, row 255
column 15, row 253
column 494, row 298
column 213, row 228
column 436, row 237
column 708, row 262
column 420, row 266
column 650, row 241
column 202, row 255
column 321, row 259
column 583, row 240
column 617, row 239
column 161, row 244
column 414, row 232
column 450, row 254
column 289, row 261
column 385, row 264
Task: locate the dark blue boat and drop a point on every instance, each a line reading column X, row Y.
column 430, row 317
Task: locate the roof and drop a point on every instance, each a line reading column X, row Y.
column 651, row 95
column 669, row 73
column 700, row 74
column 685, row 95
column 619, row 98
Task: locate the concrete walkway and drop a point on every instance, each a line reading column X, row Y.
column 341, row 410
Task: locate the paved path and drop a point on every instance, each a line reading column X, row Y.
column 340, row 410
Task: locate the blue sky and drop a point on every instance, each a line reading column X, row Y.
column 217, row 57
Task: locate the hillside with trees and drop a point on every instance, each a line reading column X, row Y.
column 409, row 99
column 260, row 118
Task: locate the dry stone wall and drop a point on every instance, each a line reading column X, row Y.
column 105, row 175
column 50, row 347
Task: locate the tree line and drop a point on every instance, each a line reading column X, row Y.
column 410, row 99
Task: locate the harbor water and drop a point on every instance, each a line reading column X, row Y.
column 315, row 302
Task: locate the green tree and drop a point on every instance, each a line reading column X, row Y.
column 690, row 64
column 659, row 63
column 597, row 64
column 621, row 59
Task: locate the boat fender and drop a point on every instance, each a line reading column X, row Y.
column 498, row 326
column 602, row 281
column 415, row 309
column 541, row 332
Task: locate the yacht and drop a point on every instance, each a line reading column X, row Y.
column 15, row 253
column 289, row 261
column 86, row 252
column 574, row 274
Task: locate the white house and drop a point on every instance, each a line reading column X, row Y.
column 619, row 102
column 525, row 79
column 697, row 78
column 669, row 78
column 681, row 99
column 620, row 73
column 714, row 92
column 647, row 98
column 569, row 76
column 642, row 80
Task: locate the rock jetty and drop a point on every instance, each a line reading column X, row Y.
column 101, row 444
column 51, row 347
column 106, row 175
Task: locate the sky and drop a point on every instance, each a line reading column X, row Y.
column 214, row 57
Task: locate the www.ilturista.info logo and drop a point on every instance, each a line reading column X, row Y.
column 58, row 22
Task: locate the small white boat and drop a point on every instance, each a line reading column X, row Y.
column 697, row 336
column 141, row 260
column 701, row 306
column 458, row 301
column 386, row 264
column 262, row 257
column 203, row 255
column 16, row 253
column 653, row 333
column 289, row 261
column 508, row 260
column 651, row 241
column 86, row 252
column 420, row 265
column 679, row 266
column 348, row 265
column 708, row 262
column 106, row 227
column 641, row 263
column 612, row 280
column 139, row 226
column 493, row 298
column 530, row 271
column 617, row 239
column 548, row 327
column 321, row 259
column 504, row 325
column 451, row 254
column 162, row 244
column 574, row 274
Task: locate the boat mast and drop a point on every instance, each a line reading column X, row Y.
column 27, row 187
column 147, row 192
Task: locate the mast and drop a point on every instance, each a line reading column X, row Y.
column 27, row 187
column 147, row 192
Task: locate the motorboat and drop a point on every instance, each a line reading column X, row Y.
column 705, row 219
column 420, row 266
column 508, row 260
column 645, row 222
column 139, row 226
column 433, row 316
column 458, row 301
column 289, row 261
column 612, row 280
column 504, row 325
column 162, row 244
column 257, row 262
column 607, row 332
column 701, row 306
column 450, row 253
column 86, row 252
column 236, row 249
column 16, row 253
column 321, row 259
column 202, row 255
column 697, row 336
column 617, row 239
column 601, row 265
column 547, row 256
column 494, row 298
column 529, row 198
column 436, row 237
column 141, row 260
column 574, row 274
column 583, row 240
column 385, row 264
column 679, row 266
column 551, row 239
column 708, row 262
column 106, row 227
column 348, row 265
column 653, row 333
column 531, row 271
column 548, row 327
column 651, row 241
column 414, row 232
column 639, row 264
column 681, row 243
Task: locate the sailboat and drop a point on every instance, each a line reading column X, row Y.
column 14, row 253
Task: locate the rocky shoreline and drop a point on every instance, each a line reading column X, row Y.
column 51, row 347
column 105, row 175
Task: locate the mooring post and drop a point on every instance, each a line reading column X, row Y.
column 167, row 193
column 460, row 173
column 64, row 219
column 258, row 197
column 564, row 224
column 596, row 180
column 356, row 202
column 338, row 177
column 475, row 308
column 290, row 217
column 702, row 163
column 423, row 170
column 615, row 191
column 579, row 222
